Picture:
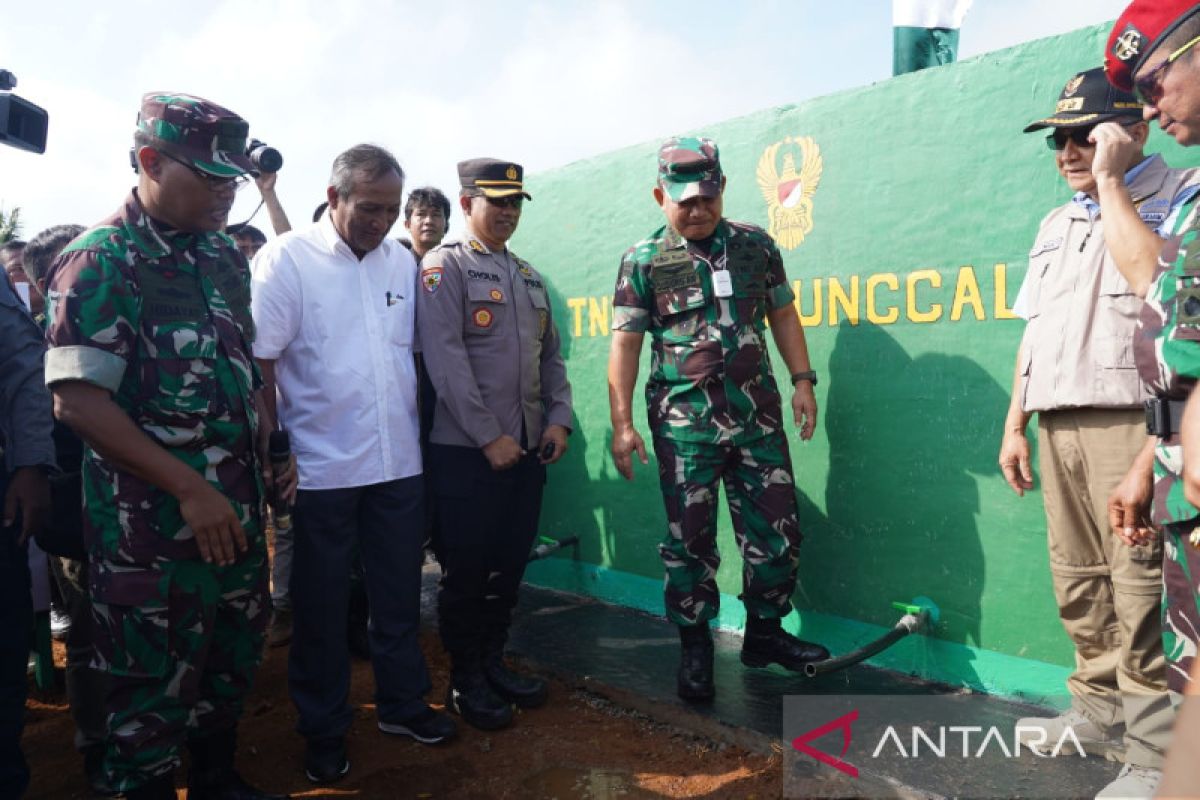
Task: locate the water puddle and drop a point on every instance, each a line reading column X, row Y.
column 573, row 783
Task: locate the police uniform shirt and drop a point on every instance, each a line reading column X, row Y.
column 490, row 346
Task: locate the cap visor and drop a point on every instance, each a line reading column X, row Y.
column 1066, row 121
column 223, row 163
column 504, row 193
column 680, row 191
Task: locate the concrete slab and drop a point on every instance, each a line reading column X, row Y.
column 631, row 657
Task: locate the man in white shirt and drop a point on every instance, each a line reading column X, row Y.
column 334, row 308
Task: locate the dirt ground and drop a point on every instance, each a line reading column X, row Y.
column 579, row 746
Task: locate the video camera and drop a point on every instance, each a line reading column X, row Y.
column 22, row 124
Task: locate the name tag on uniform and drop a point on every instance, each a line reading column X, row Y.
column 673, row 270
column 722, row 283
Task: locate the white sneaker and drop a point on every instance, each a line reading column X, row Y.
column 1048, row 732
column 1133, row 783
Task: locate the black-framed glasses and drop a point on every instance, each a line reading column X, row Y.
column 214, row 183
column 1148, row 88
column 1059, row 138
column 512, row 201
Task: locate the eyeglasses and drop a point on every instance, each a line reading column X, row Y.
column 512, row 201
column 212, row 182
column 1059, row 138
column 1148, row 88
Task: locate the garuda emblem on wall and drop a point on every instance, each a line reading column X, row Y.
column 788, row 191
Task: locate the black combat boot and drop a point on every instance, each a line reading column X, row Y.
column 211, row 775
column 527, row 691
column 472, row 697
column 766, row 642
column 695, row 681
column 160, row 788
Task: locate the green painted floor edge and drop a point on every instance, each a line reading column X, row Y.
column 921, row 656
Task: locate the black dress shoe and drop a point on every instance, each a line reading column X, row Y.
column 526, row 691
column 232, row 787
column 160, row 788
column 428, row 727
column 325, row 760
column 695, row 679
column 471, row 697
column 766, row 642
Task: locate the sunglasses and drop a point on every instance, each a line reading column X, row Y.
column 1058, row 140
column 1148, row 88
column 512, row 201
column 212, row 182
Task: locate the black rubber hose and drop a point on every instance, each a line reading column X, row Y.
column 901, row 629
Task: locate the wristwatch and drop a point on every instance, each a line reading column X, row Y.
column 807, row 375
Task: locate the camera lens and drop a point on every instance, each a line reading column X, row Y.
column 264, row 157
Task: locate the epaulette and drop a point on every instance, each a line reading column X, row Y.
column 91, row 238
column 748, row 228
column 649, row 247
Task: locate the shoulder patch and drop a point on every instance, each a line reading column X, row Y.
column 431, row 278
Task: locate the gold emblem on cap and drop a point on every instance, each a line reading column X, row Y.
column 1072, row 86
column 788, row 192
column 1128, row 45
column 1074, row 104
column 511, row 173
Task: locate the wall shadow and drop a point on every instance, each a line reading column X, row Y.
column 906, row 439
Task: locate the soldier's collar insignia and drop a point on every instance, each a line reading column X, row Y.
column 477, row 245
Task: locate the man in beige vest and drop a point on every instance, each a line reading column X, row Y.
column 1075, row 369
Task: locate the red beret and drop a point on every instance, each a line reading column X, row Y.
column 1140, row 29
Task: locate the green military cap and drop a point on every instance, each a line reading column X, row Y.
column 492, row 177
column 207, row 136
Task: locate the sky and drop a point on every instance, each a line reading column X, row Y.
column 542, row 83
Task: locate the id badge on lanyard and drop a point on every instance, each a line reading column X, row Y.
column 722, row 283
column 722, row 280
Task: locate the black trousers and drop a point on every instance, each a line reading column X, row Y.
column 16, row 627
column 384, row 521
column 487, row 521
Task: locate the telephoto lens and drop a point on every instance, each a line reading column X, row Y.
column 264, row 157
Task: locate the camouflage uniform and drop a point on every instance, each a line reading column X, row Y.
column 1167, row 349
column 162, row 319
column 715, row 412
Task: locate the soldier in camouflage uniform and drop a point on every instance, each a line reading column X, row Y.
column 1152, row 51
column 150, row 363
column 704, row 287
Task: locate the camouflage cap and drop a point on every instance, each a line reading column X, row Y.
column 492, row 177
column 689, row 166
column 209, row 137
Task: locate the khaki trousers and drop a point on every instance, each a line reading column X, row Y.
column 1109, row 594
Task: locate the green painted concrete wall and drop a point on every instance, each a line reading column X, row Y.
column 927, row 205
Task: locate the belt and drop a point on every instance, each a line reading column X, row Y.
column 1164, row 417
